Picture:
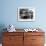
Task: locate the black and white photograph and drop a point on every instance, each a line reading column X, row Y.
column 26, row 14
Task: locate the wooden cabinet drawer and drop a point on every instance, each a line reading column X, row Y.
column 12, row 39
column 34, row 33
column 37, row 44
column 8, row 45
column 12, row 44
column 37, row 39
column 13, row 33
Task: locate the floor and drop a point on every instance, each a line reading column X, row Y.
column 0, row 44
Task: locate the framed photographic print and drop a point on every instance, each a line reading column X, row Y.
column 26, row 14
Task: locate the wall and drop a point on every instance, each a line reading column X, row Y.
column 8, row 15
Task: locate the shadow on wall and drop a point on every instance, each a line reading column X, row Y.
column 2, row 26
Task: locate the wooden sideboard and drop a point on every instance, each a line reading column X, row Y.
column 23, row 39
